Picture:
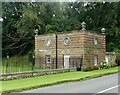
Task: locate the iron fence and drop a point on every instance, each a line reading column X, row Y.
column 73, row 62
column 22, row 64
column 17, row 64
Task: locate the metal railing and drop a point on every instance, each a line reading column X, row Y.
column 22, row 64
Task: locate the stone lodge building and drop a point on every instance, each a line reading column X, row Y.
column 77, row 48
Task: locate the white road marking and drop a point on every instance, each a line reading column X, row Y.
column 109, row 89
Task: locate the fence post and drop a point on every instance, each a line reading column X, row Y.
column 52, row 63
column 22, row 68
column 7, row 63
column 33, row 63
column 16, row 63
column 28, row 62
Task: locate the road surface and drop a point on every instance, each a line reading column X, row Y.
column 105, row 84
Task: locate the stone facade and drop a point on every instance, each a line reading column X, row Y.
column 75, row 49
column 110, row 57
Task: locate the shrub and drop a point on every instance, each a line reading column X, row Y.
column 113, row 64
column 96, row 67
column 86, row 68
column 117, row 62
column 104, row 65
column 90, row 68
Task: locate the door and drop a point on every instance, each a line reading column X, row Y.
column 66, row 61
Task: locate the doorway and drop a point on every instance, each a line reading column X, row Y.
column 66, row 61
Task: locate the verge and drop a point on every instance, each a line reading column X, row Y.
column 96, row 75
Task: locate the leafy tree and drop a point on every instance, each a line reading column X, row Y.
column 21, row 19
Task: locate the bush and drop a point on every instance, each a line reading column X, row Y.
column 96, row 67
column 90, row 68
column 117, row 62
column 86, row 68
column 104, row 65
column 113, row 65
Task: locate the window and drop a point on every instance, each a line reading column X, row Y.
column 95, row 41
column 66, row 41
column 95, row 60
column 47, row 42
column 48, row 59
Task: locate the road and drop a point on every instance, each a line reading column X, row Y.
column 105, row 84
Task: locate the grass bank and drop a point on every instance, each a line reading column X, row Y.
column 40, row 81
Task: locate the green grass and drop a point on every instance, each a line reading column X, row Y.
column 17, row 64
column 40, row 81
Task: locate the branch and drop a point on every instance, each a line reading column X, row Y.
column 23, row 48
column 9, row 36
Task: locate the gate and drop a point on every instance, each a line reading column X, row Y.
column 76, row 62
column 79, row 64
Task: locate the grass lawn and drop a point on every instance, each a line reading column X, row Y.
column 40, row 81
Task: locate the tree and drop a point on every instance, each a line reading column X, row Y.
column 21, row 19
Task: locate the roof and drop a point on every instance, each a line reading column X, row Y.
column 68, row 32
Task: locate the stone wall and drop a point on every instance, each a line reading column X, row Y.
column 110, row 57
column 34, row 73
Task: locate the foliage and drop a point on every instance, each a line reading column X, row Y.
column 117, row 60
column 104, row 65
column 90, row 68
column 113, row 64
column 22, row 18
column 96, row 67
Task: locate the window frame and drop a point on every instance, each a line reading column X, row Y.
column 66, row 41
column 47, row 59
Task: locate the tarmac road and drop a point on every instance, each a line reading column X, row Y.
column 105, row 84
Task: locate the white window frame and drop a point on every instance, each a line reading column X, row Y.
column 48, row 59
